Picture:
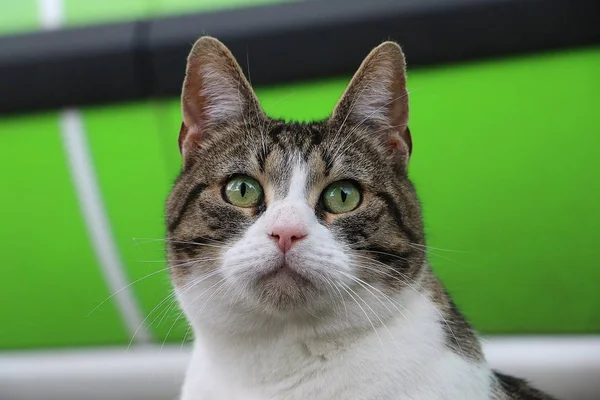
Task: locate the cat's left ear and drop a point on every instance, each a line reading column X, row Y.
column 215, row 94
column 377, row 97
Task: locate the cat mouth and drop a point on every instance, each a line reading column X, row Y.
column 284, row 288
column 284, row 275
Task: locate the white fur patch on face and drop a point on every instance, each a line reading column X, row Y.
column 318, row 259
column 297, row 189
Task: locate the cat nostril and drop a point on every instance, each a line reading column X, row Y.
column 286, row 237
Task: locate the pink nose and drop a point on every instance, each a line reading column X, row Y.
column 287, row 235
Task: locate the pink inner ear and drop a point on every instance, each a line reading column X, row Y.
column 400, row 145
column 188, row 138
column 408, row 140
column 182, row 134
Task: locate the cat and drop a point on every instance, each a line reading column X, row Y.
column 297, row 250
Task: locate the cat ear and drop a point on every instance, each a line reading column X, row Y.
column 377, row 97
column 215, row 93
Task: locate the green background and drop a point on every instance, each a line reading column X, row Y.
column 505, row 161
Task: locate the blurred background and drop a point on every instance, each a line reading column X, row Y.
column 504, row 115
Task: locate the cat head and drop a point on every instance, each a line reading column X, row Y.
column 288, row 220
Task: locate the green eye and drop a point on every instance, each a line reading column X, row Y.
column 341, row 197
column 243, row 191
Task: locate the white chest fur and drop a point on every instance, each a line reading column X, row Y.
column 405, row 359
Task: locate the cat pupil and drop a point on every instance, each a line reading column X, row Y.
column 344, row 195
column 243, row 189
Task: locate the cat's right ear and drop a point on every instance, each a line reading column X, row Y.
column 215, row 94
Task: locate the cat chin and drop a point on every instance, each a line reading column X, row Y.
column 285, row 288
column 284, row 279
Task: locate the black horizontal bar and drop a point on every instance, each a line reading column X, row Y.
column 70, row 67
column 282, row 43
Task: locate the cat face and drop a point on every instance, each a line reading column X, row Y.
column 289, row 219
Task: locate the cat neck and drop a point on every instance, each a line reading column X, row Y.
column 412, row 345
column 402, row 352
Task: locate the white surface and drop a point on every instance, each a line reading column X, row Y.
column 568, row 367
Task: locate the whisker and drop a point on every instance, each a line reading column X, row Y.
column 168, row 239
column 123, row 288
column 426, row 251
column 190, row 284
column 426, row 298
column 181, row 314
column 341, row 297
column 366, row 286
column 166, row 311
column 197, row 244
column 190, row 262
column 436, row 248
column 347, row 289
column 187, row 332
column 383, row 253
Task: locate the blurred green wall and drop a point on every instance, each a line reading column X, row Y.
column 505, row 161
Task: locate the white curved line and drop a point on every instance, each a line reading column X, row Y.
column 51, row 15
column 97, row 223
